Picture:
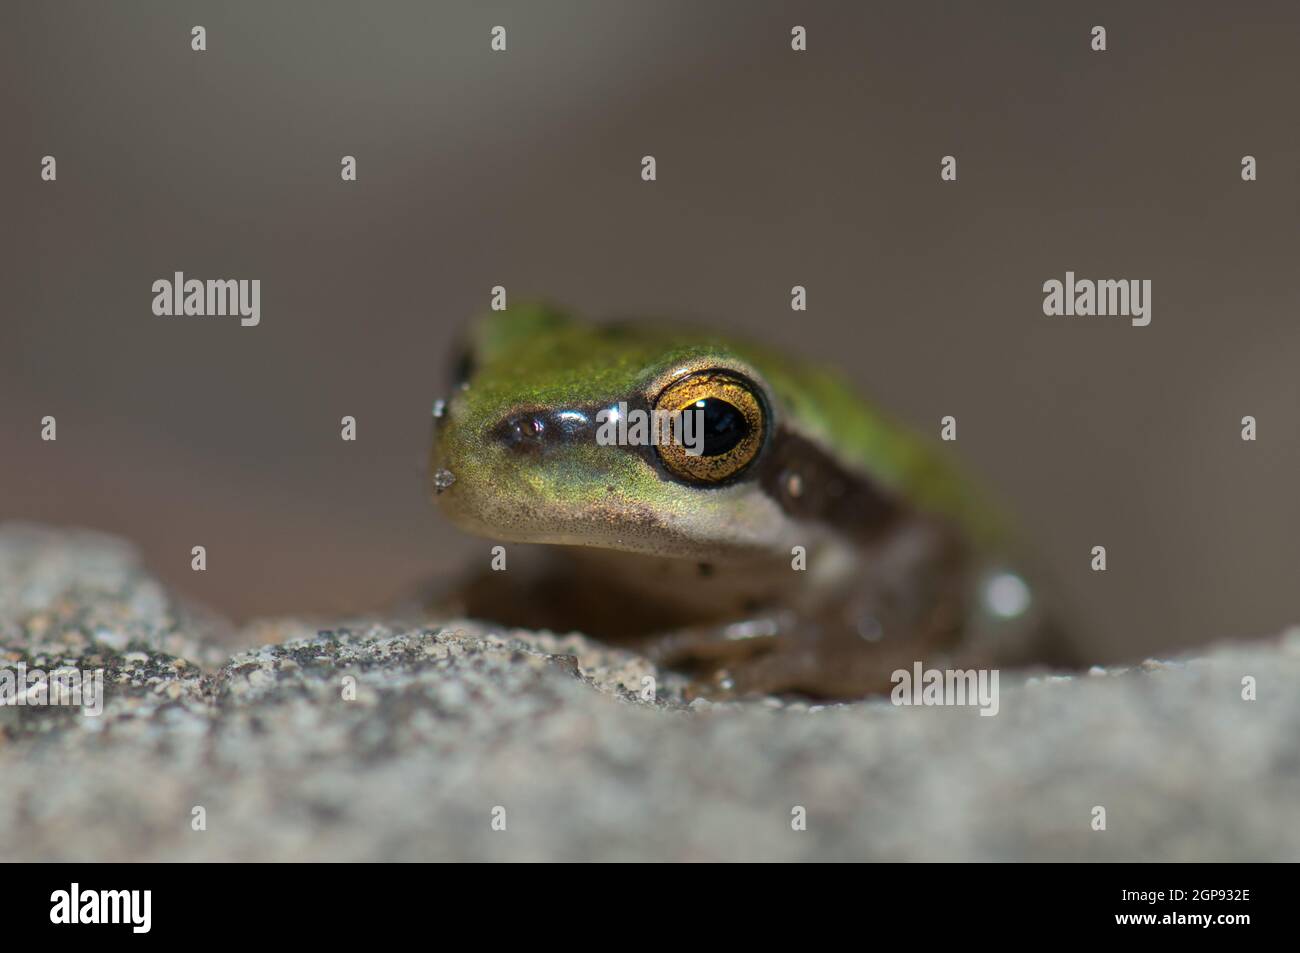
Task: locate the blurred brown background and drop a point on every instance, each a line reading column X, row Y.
column 775, row 168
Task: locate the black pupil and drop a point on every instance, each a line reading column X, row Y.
column 724, row 426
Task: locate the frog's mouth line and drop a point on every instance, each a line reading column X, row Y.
column 746, row 529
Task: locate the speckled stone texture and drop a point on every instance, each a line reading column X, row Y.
column 398, row 740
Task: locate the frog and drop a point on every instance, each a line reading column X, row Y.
column 809, row 545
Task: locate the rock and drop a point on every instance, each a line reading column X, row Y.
column 403, row 739
column 67, row 592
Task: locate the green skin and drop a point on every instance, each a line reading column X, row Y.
column 703, row 577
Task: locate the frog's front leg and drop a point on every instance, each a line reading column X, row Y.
column 909, row 605
column 784, row 653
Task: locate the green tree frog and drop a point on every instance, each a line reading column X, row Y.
column 810, row 545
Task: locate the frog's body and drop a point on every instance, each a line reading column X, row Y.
column 824, row 550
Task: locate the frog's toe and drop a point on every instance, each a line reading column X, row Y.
column 803, row 670
column 714, row 645
column 773, row 673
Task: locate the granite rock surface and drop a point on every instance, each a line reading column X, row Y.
column 416, row 739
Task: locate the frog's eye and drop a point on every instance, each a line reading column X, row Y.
column 722, row 426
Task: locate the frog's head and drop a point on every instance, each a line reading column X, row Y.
column 518, row 453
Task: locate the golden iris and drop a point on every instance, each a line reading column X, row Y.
column 733, row 420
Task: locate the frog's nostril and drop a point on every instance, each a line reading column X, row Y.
column 522, row 432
